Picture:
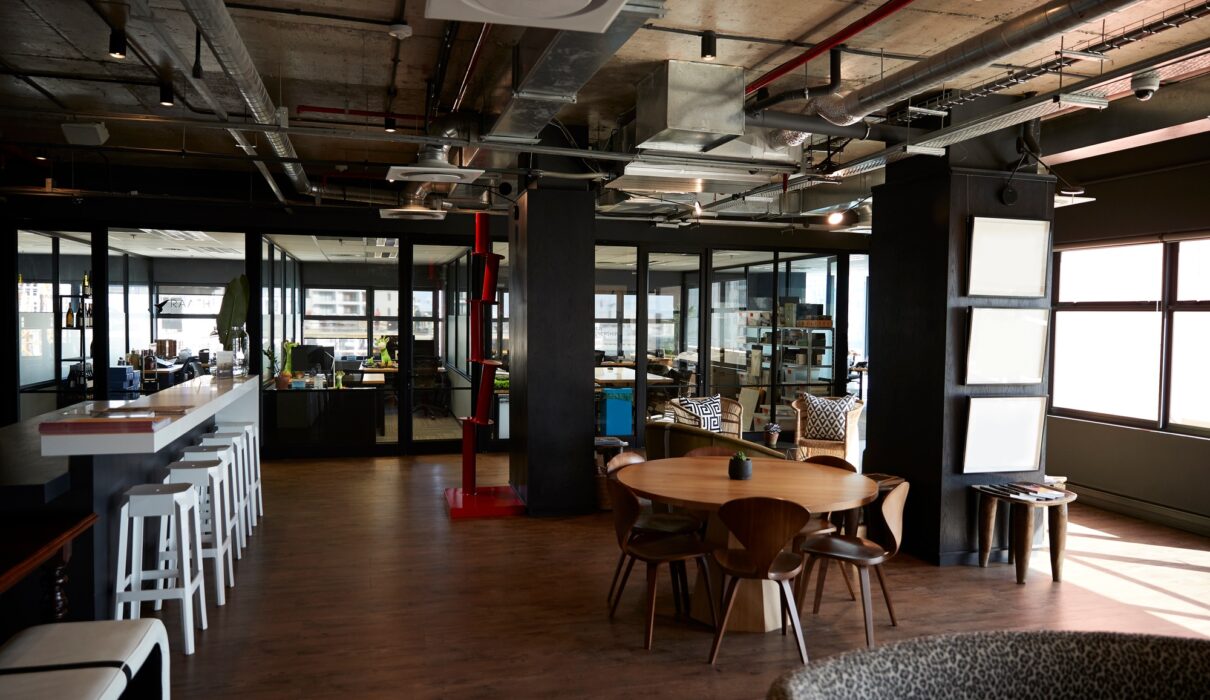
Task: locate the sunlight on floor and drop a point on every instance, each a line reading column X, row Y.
column 1171, row 583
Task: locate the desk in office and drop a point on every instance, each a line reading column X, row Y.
column 393, row 369
column 623, row 376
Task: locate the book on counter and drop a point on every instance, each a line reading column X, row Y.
column 1023, row 491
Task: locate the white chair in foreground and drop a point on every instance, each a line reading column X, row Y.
column 104, row 657
column 179, row 502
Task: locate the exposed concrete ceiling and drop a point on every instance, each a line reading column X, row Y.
column 60, row 46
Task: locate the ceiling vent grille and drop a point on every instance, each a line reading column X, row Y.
column 412, row 212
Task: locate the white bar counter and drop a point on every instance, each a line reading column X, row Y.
column 149, row 424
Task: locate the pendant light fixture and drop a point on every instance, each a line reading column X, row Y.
column 388, row 125
column 117, row 43
column 709, row 45
column 167, row 99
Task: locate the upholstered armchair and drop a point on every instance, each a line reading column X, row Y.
column 849, row 448
column 730, row 421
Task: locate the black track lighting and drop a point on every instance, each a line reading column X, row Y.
column 388, row 125
column 709, row 45
column 117, row 43
column 166, row 97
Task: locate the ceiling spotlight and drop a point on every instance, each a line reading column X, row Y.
column 40, row 155
column 697, row 208
column 166, row 97
column 400, row 31
column 1069, row 190
column 117, row 43
column 709, row 45
column 388, row 125
column 836, row 218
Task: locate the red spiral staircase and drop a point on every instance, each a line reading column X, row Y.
column 471, row 501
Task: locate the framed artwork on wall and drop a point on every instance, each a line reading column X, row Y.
column 1008, row 257
column 1004, row 434
column 1007, row 346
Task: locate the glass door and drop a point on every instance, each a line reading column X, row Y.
column 673, row 317
column 441, row 371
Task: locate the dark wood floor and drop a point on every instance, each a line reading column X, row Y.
column 358, row 585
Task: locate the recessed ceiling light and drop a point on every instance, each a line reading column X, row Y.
column 709, row 45
column 117, row 43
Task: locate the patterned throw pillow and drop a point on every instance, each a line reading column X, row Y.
column 708, row 409
column 826, row 417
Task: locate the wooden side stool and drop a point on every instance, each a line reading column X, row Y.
column 1022, row 529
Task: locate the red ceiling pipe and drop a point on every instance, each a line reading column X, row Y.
column 302, row 109
column 886, row 10
column 470, row 66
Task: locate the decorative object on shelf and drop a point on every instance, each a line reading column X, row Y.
column 739, row 467
column 232, row 311
column 772, row 433
column 224, row 367
column 239, row 351
column 287, row 352
column 340, row 379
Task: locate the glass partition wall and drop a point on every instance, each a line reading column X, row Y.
column 743, row 341
column 615, row 339
column 673, row 320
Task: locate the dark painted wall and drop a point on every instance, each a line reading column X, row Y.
column 551, row 388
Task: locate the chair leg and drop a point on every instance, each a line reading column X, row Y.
column 867, row 608
column 674, row 577
column 728, row 600
column 617, row 598
column 823, row 575
column 653, row 573
column 783, row 612
column 787, row 601
column 685, row 597
column 804, row 580
column 848, row 580
column 886, row 593
column 617, row 573
column 703, row 569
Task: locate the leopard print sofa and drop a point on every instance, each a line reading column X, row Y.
column 1017, row 665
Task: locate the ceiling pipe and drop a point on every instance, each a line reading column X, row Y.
column 470, row 66
column 315, row 109
column 216, row 25
column 886, row 10
column 833, row 85
column 768, row 119
column 990, row 46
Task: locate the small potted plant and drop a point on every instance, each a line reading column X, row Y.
column 740, row 467
column 772, row 433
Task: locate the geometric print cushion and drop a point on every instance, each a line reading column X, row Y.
column 708, row 409
column 826, row 417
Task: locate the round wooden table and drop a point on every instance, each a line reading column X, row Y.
column 701, row 483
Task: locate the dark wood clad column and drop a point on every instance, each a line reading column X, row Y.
column 10, row 371
column 919, row 317
column 253, row 325
column 100, row 313
column 550, row 358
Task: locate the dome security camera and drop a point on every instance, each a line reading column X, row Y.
column 1145, row 84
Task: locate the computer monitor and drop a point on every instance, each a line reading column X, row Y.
column 306, row 358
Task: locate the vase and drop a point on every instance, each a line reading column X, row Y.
column 239, row 351
column 282, row 381
column 739, row 469
column 771, row 440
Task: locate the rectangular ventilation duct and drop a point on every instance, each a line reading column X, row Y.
column 686, row 106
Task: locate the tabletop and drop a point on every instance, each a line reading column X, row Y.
column 702, row 483
column 623, row 375
column 393, row 369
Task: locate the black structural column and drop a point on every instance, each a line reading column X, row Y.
column 253, row 325
column 550, row 358
column 10, row 372
column 919, row 318
column 100, row 313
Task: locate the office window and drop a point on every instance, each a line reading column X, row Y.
column 188, row 315
column 1117, row 316
column 337, row 318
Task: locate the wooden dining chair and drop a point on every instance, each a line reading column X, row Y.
column 862, row 553
column 828, row 523
column 651, row 524
column 764, row 526
column 653, row 552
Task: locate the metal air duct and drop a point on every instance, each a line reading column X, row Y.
column 216, row 25
column 1030, row 28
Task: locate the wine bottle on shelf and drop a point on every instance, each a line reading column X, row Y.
column 70, row 320
column 86, row 289
column 80, row 316
column 88, row 317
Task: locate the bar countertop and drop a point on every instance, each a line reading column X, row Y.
column 141, row 426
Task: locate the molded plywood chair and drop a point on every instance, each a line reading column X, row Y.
column 849, row 448
column 712, row 451
column 862, row 553
column 652, row 551
column 652, row 524
column 764, row 526
column 826, row 524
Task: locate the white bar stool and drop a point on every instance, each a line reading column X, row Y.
column 227, row 455
column 252, row 430
column 210, row 479
column 238, row 441
column 180, row 502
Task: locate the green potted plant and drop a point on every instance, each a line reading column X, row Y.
column 229, row 327
column 772, row 433
column 740, row 467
